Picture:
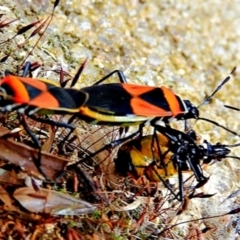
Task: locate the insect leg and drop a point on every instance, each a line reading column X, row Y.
column 107, row 146
column 120, row 74
column 37, row 160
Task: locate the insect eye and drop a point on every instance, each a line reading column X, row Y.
column 193, row 110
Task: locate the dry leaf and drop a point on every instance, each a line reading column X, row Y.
column 9, row 177
column 48, row 144
column 49, row 201
column 23, row 156
column 4, row 196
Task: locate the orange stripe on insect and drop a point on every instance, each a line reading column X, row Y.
column 173, row 102
column 45, row 100
column 141, row 107
column 38, row 84
column 19, row 91
column 136, row 90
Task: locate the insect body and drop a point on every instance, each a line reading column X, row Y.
column 123, row 104
column 166, row 153
column 128, row 104
column 141, row 156
column 29, row 96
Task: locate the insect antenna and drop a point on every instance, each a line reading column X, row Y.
column 231, row 107
column 232, row 145
column 218, row 125
column 234, row 157
column 209, row 97
column 206, row 101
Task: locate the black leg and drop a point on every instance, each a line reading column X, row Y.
column 27, row 69
column 120, row 74
column 160, row 154
column 166, row 185
column 180, row 180
column 108, row 146
column 57, row 124
column 37, row 160
column 51, row 122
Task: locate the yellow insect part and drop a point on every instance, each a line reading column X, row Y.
column 141, row 156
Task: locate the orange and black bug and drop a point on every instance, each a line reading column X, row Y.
column 123, row 104
column 30, row 96
column 128, row 104
column 166, row 153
